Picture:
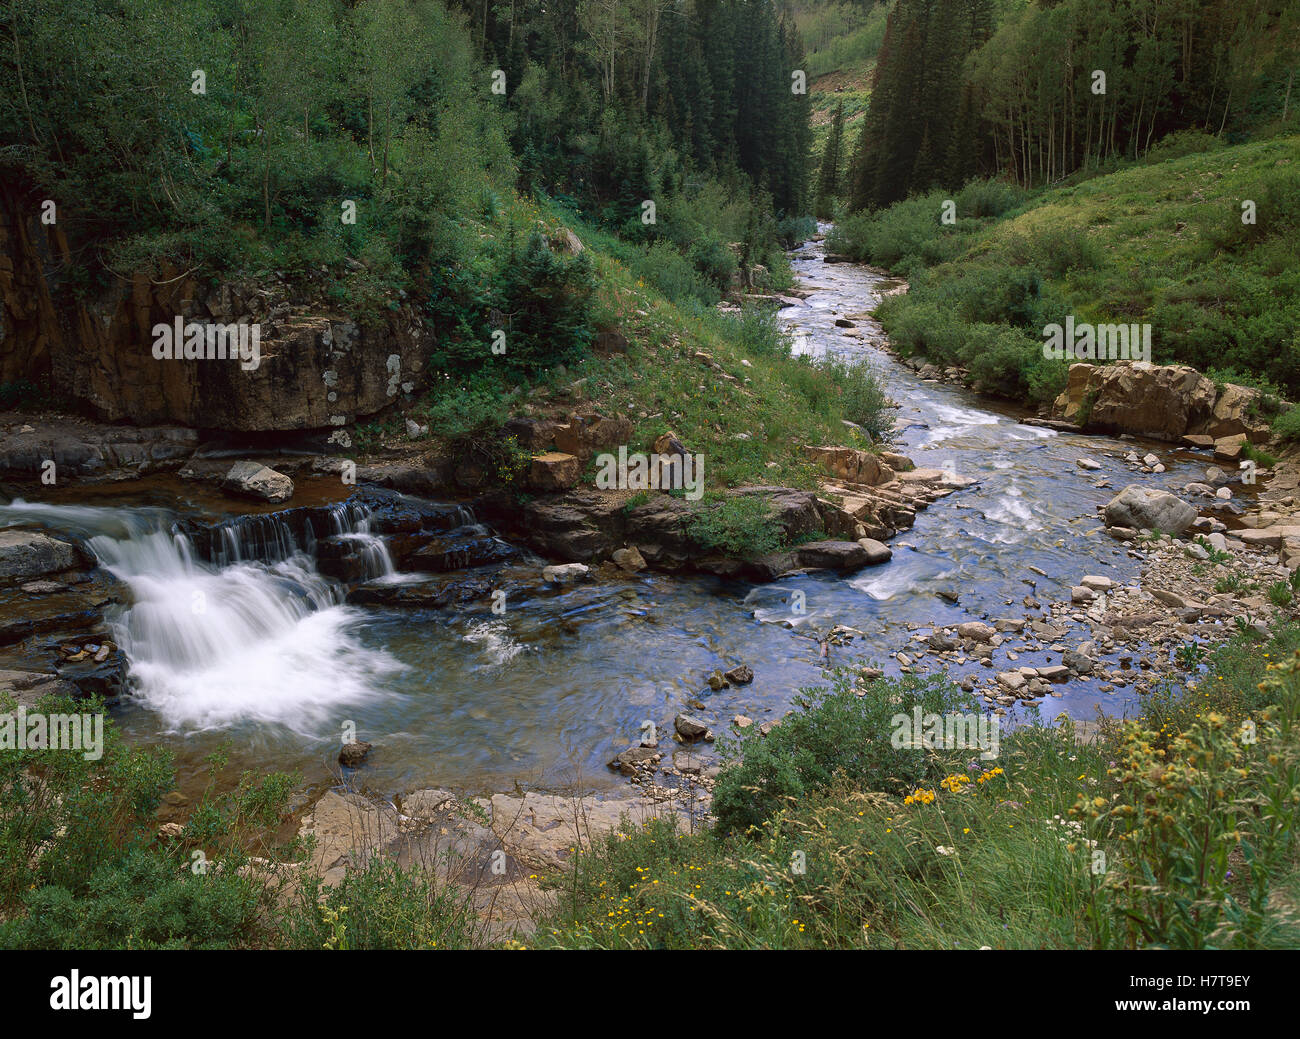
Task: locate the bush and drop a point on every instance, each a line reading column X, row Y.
column 740, row 526
column 838, row 736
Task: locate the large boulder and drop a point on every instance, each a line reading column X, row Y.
column 249, row 479
column 28, row 554
column 1139, row 508
column 852, row 465
column 1235, row 413
column 1160, row 401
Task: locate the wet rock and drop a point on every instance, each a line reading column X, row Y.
column 25, row 554
column 1087, row 463
column 1077, row 662
column 841, row 556
column 692, row 729
column 877, row 551
column 741, row 674
column 253, row 480
column 741, row 721
column 353, row 754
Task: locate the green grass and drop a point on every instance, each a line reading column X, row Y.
column 1159, row 242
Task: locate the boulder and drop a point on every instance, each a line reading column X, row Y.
column 851, row 465
column 1164, row 402
column 249, row 479
column 26, row 554
column 1147, row 508
column 353, row 754
column 691, row 729
column 629, row 559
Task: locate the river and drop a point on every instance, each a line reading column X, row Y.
column 262, row 658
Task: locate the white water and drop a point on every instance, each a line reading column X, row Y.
column 212, row 645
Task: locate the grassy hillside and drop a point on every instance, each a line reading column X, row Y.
column 1162, row 241
column 725, row 383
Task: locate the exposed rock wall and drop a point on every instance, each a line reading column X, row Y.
column 318, row 367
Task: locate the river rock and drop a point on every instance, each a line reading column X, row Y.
column 629, row 559
column 565, row 573
column 1147, row 508
column 976, row 630
column 692, row 729
column 249, row 479
column 741, row 674
column 635, row 759
column 26, row 554
column 353, row 754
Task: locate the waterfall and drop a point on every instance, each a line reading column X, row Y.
column 244, row 629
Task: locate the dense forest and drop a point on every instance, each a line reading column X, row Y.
column 1034, row 92
column 399, row 146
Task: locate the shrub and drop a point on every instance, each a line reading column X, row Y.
column 837, row 736
column 739, row 526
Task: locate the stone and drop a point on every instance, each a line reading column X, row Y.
column 1079, row 594
column 565, row 573
column 741, row 721
column 1150, row 509
column 1087, row 463
column 426, row 804
column 1077, row 662
column 630, row 560
column 741, row 674
column 692, row 729
column 554, row 471
column 1164, row 402
column 976, row 630
column 634, row 760
column 26, row 554
column 851, row 464
column 1098, row 584
column 249, row 479
column 877, row 551
column 353, row 754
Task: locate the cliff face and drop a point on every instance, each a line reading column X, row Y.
column 316, row 368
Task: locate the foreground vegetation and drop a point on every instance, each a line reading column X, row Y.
column 1175, row 829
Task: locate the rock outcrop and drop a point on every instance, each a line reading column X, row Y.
column 1164, row 402
column 318, row 368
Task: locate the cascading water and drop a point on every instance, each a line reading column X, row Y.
column 258, row 634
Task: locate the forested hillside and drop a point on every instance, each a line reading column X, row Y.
column 397, row 150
